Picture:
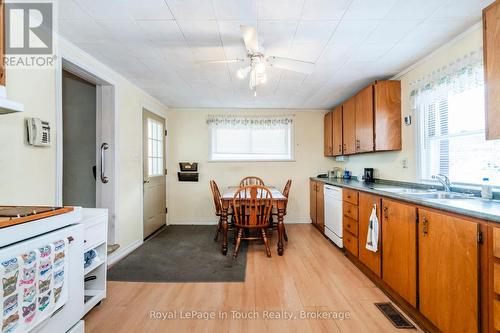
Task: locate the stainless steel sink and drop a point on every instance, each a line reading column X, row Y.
column 402, row 190
column 441, row 195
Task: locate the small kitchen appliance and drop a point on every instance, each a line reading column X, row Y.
column 368, row 175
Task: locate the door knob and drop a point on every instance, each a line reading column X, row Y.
column 147, row 181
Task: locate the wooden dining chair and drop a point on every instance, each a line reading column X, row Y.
column 252, row 208
column 274, row 213
column 251, row 180
column 218, row 208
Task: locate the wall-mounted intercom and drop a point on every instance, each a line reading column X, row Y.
column 38, row 132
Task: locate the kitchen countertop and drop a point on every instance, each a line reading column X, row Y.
column 479, row 208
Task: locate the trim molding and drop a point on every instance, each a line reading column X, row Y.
column 123, row 252
column 211, row 221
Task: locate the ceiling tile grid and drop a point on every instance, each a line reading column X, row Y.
column 163, row 45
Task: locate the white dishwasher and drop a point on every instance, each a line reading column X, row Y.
column 333, row 214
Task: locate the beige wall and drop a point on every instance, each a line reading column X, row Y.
column 28, row 174
column 191, row 203
column 388, row 165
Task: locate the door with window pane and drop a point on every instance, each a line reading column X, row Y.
column 154, row 184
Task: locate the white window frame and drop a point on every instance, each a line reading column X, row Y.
column 290, row 158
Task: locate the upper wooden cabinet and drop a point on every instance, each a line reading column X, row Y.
column 328, row 123
column 491, row 46
column 448, row 271
column 349, row 127
column 399, row 255
column 337, row 131
column 364, row 120
column 369, row 121
column 387, row 115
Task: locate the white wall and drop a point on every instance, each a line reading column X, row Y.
column 388, row 165
column 28, row 174
column 187, row 141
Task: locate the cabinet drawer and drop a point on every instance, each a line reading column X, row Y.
column 351, row 225
column 496, row 242
column 350, row 210
column 95, row 234
column 350, row 242
column 350, row 196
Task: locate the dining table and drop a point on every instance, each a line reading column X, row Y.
column 279, row 201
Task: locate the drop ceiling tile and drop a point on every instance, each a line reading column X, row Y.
column 324, row 9
column 392, row 31
column 200, row 32
column 369, row 9
column 124, row 31
column 72, row 31
column 441, row 30
column 191, row 9
column 105, row 10
column 235, row 10
column 163, row 32
column 69, row 10
column 454, row 9
column 279, row 9
column 306, row 51
column 414, row 9
column 370, row 52
column 276, row 34
column 353, row 32
column 315, row 31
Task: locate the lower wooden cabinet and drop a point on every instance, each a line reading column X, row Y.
column 317, row 205
column 399, row 256
column 448, row 271
column 495, row 277
column 370, row 259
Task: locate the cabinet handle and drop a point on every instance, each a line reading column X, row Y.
column 358, row 144
column 386, row 213
column 425, row 226
column 340, row 148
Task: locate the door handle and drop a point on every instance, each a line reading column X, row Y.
column 425, row 226
column 104, row 147
column 386, row 213
column 147, row 181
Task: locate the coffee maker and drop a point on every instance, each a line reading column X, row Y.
column 368, row 175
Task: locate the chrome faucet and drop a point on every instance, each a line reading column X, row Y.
column 444, row 180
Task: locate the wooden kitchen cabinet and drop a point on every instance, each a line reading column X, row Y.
column 387, row 110
column 317, row 205
column 364, row 120
column 448, row 271
column 349, row 127
column 370, row 259
column 337, row 131
column 491, row 47
column 328, row 134
column 399, row 257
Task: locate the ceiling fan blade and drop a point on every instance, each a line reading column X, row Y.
column 294, row 65
column 250, row 38
column 219, row 61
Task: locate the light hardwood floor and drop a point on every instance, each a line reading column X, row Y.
column 313, row 275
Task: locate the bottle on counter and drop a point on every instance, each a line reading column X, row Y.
column 486, row 189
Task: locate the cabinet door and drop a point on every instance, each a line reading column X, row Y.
column 328, row 123
column 337, row 131
column 349, row 126
column 364, row 120
column 372, row 260
column 312, row 201
column 448, row 271
column 491, row 36
column 320, row 206
column 387, row 115
column 399, row 257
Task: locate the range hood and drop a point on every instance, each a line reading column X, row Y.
column 8, row 106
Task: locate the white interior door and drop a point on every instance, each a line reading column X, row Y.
column 154, row 182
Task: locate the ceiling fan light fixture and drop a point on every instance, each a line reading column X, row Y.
column 260, row 68
column 243, row 72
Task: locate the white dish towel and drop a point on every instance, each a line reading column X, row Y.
column 372, row 237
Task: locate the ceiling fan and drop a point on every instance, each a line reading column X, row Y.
column 259, row 62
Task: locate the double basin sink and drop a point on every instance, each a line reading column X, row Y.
column 426, row 194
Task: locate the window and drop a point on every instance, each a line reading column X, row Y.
column 451, row 112
column 155, row 148
column 250, row 139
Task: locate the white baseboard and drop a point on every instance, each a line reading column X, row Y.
column 121, row 253
column 209, row 221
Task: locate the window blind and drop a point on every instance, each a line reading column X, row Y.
column 249, row 138
column 449, row 104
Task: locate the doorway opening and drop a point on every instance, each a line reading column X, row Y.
column 154, row 182
column 86, row 144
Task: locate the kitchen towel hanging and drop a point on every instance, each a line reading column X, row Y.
column 373, row 227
